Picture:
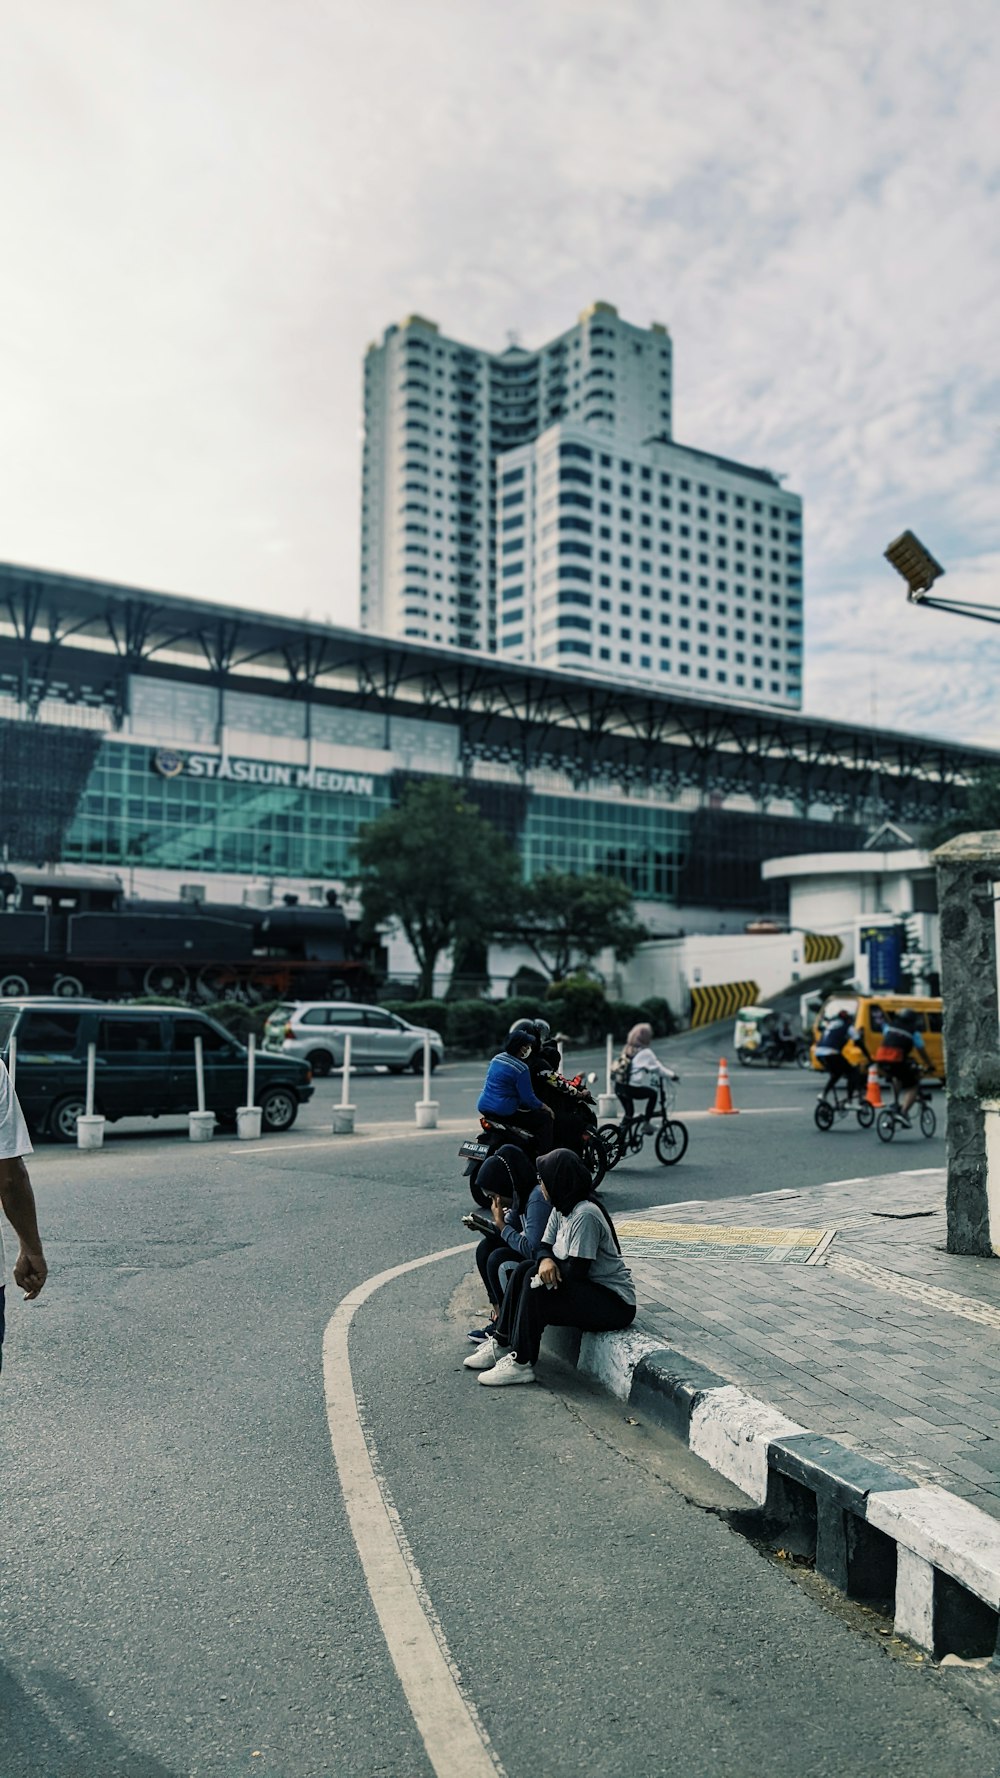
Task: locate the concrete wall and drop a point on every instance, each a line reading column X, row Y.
column 672, row 967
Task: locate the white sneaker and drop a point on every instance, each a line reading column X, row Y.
column 485, row 1355
column 507, row 1370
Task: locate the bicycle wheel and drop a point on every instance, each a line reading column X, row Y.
column 594, row 1157
column 928, row 1122
column 866, row 1115
column 610, row 1138
column 885, row 1126
column 823, row 1115
column 671, row 1141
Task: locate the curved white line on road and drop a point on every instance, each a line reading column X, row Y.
column 457, row 1744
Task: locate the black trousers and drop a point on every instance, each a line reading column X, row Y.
column 493, row 1252
column 526, row 1313
column 629, row 1095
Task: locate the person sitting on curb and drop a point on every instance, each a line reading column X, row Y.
column 520, row 1211
column 508, row 1094
column 580, row 1279
column 644, row 1067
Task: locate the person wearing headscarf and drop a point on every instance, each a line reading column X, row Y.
column 579, row 1279
column 519, row 1210
column 644, row 1067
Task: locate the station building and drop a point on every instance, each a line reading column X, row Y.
column 202, row 750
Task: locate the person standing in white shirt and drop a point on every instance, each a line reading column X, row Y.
column 18, row 1199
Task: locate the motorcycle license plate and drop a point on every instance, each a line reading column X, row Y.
column 474, row 1148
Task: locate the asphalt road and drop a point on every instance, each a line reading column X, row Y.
column 183, row 1595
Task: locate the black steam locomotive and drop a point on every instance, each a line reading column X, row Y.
column 76, row 932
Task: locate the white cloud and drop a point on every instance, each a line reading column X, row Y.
column 211, row 210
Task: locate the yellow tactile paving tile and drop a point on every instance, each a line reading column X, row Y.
column 718, row 1235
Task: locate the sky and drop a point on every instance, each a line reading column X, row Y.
column 211, row 207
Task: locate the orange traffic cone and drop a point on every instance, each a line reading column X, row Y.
column 723, row 1106
column 872, row 1094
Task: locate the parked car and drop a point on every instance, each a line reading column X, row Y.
column 144, row 1065
column 315, row 1031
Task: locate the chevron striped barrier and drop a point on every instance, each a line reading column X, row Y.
column 822, row 947
column 721, row 1001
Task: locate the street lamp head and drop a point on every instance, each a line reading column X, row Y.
column 916, row 565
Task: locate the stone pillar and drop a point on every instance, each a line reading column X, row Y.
column 967, row 870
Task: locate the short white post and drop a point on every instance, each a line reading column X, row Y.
column 427, row 1108
column 248, row 1115
column 201, row 1123
column 607, row 1103
column 12, row 1060
column 343, row 1114
column 90, row 1129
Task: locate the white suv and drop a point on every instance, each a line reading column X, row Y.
column 315, row 1030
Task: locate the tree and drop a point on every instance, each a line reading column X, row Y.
column 434, row 864
column 566, row 919
column 977, row 808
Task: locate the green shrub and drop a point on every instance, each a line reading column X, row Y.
column 478, row 1027
column 656, row 1011
column 582, row 1006
column 433, row 1013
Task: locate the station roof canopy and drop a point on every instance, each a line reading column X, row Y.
column 52, row 625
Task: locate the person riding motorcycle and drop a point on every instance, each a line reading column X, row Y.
column 508, row 1093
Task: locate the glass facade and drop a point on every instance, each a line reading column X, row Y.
column 642, row 845
column 131, row 814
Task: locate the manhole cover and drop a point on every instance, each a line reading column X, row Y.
column 705, row 1240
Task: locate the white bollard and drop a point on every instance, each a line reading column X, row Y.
column 427, row 1108
column 248, row 1115
column 12, row 1060
column 90, row 1129
column 607, row 1102
column 201, row 1123
column 343, row 1114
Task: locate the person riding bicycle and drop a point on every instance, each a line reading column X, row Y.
column 830, row 1047
column 897, row 1056
column 643, row 1068
column 507, row 1090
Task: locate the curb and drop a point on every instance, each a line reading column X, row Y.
column 921, row 1554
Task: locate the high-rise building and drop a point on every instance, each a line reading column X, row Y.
column 536, row 504
column 438, row 414
column 650, row 561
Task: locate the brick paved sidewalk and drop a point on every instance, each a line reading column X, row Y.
column 873, row 1335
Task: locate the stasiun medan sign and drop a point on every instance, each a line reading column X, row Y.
column 261, row 771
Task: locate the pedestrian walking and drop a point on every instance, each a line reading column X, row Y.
column 18, row 1200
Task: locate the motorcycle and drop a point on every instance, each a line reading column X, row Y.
column 758, row 1040
column 574, row 1126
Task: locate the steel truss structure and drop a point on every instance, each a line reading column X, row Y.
column 83, row 641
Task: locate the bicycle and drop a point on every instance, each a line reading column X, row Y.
column 890, row 1118
column 840, row 1100
column 628, row 1136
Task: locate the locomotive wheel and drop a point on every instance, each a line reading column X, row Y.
column 67, row 987
column 12, row 987
column 166, row 978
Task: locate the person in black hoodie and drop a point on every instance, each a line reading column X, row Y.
column 520, row 1213
column 579, row 1279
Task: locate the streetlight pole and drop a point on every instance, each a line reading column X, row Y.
column 918, row 568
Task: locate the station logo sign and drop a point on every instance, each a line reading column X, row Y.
column 170, row 764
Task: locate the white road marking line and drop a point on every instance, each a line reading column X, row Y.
column 457, row 1744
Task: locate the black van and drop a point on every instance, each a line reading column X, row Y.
column 144, row 1065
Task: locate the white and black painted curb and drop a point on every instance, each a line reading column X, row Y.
column 921, row 1553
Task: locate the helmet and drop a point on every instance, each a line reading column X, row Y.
column 906, row 1018
column 522, row 1036
column 543, row 1028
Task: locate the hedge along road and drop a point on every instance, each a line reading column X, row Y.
column 183, row 1591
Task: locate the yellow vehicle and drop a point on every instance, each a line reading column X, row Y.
column 869, row 1012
